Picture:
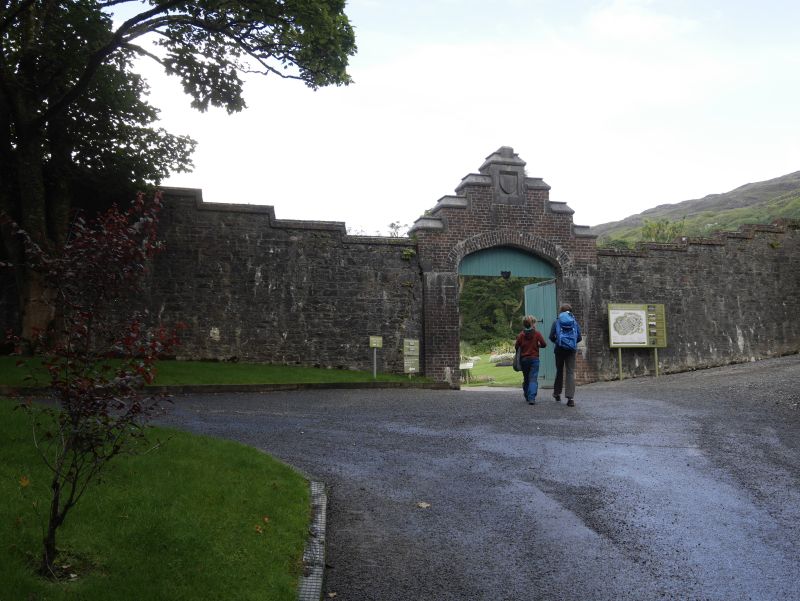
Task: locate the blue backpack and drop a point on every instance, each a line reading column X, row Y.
column 566, row 331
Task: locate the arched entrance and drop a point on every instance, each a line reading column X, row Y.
column 498, row 217
column 532, row 278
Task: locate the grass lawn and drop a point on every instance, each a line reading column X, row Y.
column 210, row 372
column 485, row 373
column 180, row 522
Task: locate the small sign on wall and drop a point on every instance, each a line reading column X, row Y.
column 376, row 342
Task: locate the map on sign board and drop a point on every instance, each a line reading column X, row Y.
column 637, row 325
column 628, row 327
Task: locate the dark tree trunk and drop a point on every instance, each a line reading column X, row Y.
column 47, row 567
column 35, row 299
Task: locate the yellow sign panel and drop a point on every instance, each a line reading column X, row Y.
column 637, row 325
column 376, row 342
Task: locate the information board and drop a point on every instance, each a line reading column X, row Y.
column 410, row 356
column 637, row 325
column 376, row 342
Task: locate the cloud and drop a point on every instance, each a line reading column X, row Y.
column 619, row 109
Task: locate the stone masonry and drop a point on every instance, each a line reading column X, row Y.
column 251, row 287
column 728, row 299
column 254, row 288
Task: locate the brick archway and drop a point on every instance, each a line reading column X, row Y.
column 499, row 206
column 533, row 244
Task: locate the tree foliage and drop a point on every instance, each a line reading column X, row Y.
column 73, row 119
column 491, row 309
column 661, row 230
column 98, row 356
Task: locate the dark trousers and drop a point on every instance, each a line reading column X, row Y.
column 565, row 362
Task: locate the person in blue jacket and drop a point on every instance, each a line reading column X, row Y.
column 565, row 333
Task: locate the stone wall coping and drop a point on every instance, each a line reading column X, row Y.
column 427, row 223
column 474, row 179
column 668, row 246
column 385, row 240
column 536, row 183
column 449, row 201
column 196, row 194
column 504, row 155
column 746, row 231
column 556, row 206
column 619, row 252
column 583, row 231
column 714, row 241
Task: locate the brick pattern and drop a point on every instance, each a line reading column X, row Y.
column 481, row 223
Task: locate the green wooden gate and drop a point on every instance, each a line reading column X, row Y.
column 540, row 301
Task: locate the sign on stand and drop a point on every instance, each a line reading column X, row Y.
column 375, row 342
column 410, row 356
column 633, row 325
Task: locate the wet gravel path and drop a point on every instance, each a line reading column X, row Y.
column 682, row 487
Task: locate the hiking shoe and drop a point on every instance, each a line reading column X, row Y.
column 531, row 401
column 557, row 398
column 570, row 403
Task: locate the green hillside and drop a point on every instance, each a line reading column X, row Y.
column 761, row 202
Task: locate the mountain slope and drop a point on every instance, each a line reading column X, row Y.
column 760, row 202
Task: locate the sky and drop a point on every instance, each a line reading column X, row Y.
column 619, row 105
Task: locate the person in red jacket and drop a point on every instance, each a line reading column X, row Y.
column 529, row 342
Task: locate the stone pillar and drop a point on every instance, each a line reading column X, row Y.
column 441, row 337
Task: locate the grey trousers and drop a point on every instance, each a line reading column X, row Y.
column 565, row 362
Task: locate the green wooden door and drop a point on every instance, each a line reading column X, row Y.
column 540, row 301
column 501, row 260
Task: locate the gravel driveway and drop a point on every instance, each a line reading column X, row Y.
column 680, row 487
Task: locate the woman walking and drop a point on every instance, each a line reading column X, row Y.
column 529, row 341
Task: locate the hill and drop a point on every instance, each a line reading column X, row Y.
column 761, row 202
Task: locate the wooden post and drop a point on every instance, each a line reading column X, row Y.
column 655, row 356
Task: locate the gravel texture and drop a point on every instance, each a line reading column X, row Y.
column 683, row 487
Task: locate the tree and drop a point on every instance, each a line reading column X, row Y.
column 71, row 108
column 491, row 309
column 662, row 230
column 98, row 356
column 396, row 229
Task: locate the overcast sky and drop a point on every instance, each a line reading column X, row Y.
column 619, row 105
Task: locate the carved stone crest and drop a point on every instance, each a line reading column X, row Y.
column 507, row 171
column 509, row 183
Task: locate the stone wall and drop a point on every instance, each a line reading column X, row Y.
column 254, row 288
column 729, row 299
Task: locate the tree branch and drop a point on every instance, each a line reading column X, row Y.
column 139, row 50
column 96, row 60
